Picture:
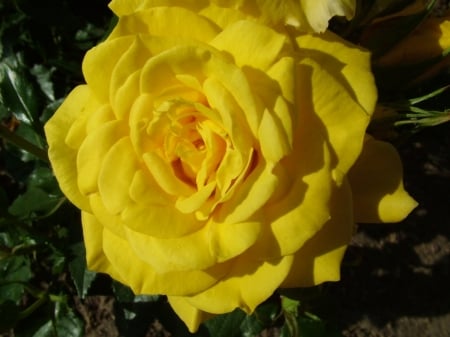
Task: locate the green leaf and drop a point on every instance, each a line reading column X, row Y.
column 226, row 325
column 251, row 326
column 19, row 94
column 32, row 201
column 290, row 310
column 290, row 305
column 42, row 177
column 68, row 324
column 265, row 316
column 15, row 271
column 134, row 313
column 81, row 276
column 64, row 323
column 43, row 78
column 122, row 293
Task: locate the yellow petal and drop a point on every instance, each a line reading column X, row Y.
column 275, row 140
column 99, row 63
column 346, row 62
column 301, row 212
column 195, row 201
column 165, row 177
column 303, row 209
column 249, row 283
column 232, row 115
column 319, row 12
column 93, row 240
column 197, row 250
column 377, row 186
column 154, row 21
column 190, row 315
column 320, row 257
column 222, row 16
column 258, row 47
column 159, row 221
column 143, row 279
column 127, row 7
column 129, row 62
column 250, row 195
column 343, row 113
column 111, row 221
column 116, row 174
column 63, row 157
column 92, row 152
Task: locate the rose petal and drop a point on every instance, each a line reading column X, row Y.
column 152, row 206
column 318, row 13
column 194, row 251
column 153, row 21
column 95, row 257
column 377, row 185
column 107, row 219
column 258, row 47
column 63, row 157
column 319, row 259
column 250, row 195
column 343, row 119
column 143, row 279
column 92, row 152
column 163, row 174
column 116, row 174
column 346, row 62
column 249, row 283
column 189, row 314
column 99, row 63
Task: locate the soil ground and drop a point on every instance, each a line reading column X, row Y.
column 398, row 282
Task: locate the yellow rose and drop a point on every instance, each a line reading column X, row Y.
column 305, row 15
column 210, row 161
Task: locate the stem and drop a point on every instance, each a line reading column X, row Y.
column 23, row 143
column 33, row 307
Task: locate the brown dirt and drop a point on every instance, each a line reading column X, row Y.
column 396, row 277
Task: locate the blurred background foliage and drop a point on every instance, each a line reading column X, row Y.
column 44, row 284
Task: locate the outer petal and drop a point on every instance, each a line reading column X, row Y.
column 249, row 283
column 93, row 239
column 116, row 175
column 154, row 21
column 143, row 279
column 199, row 250
column 343, row 94
column 319, row 12
column 127, row 7
column 320, row 258
column 353, row 68
column 63, row 157
column 92, row 152
column 99, row 63
column 190, row 315
column 258, row 47
column 376, row 182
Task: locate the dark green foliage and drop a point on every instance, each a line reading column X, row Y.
column 41, row 49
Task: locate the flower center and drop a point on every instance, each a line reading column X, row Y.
column 194, row 145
